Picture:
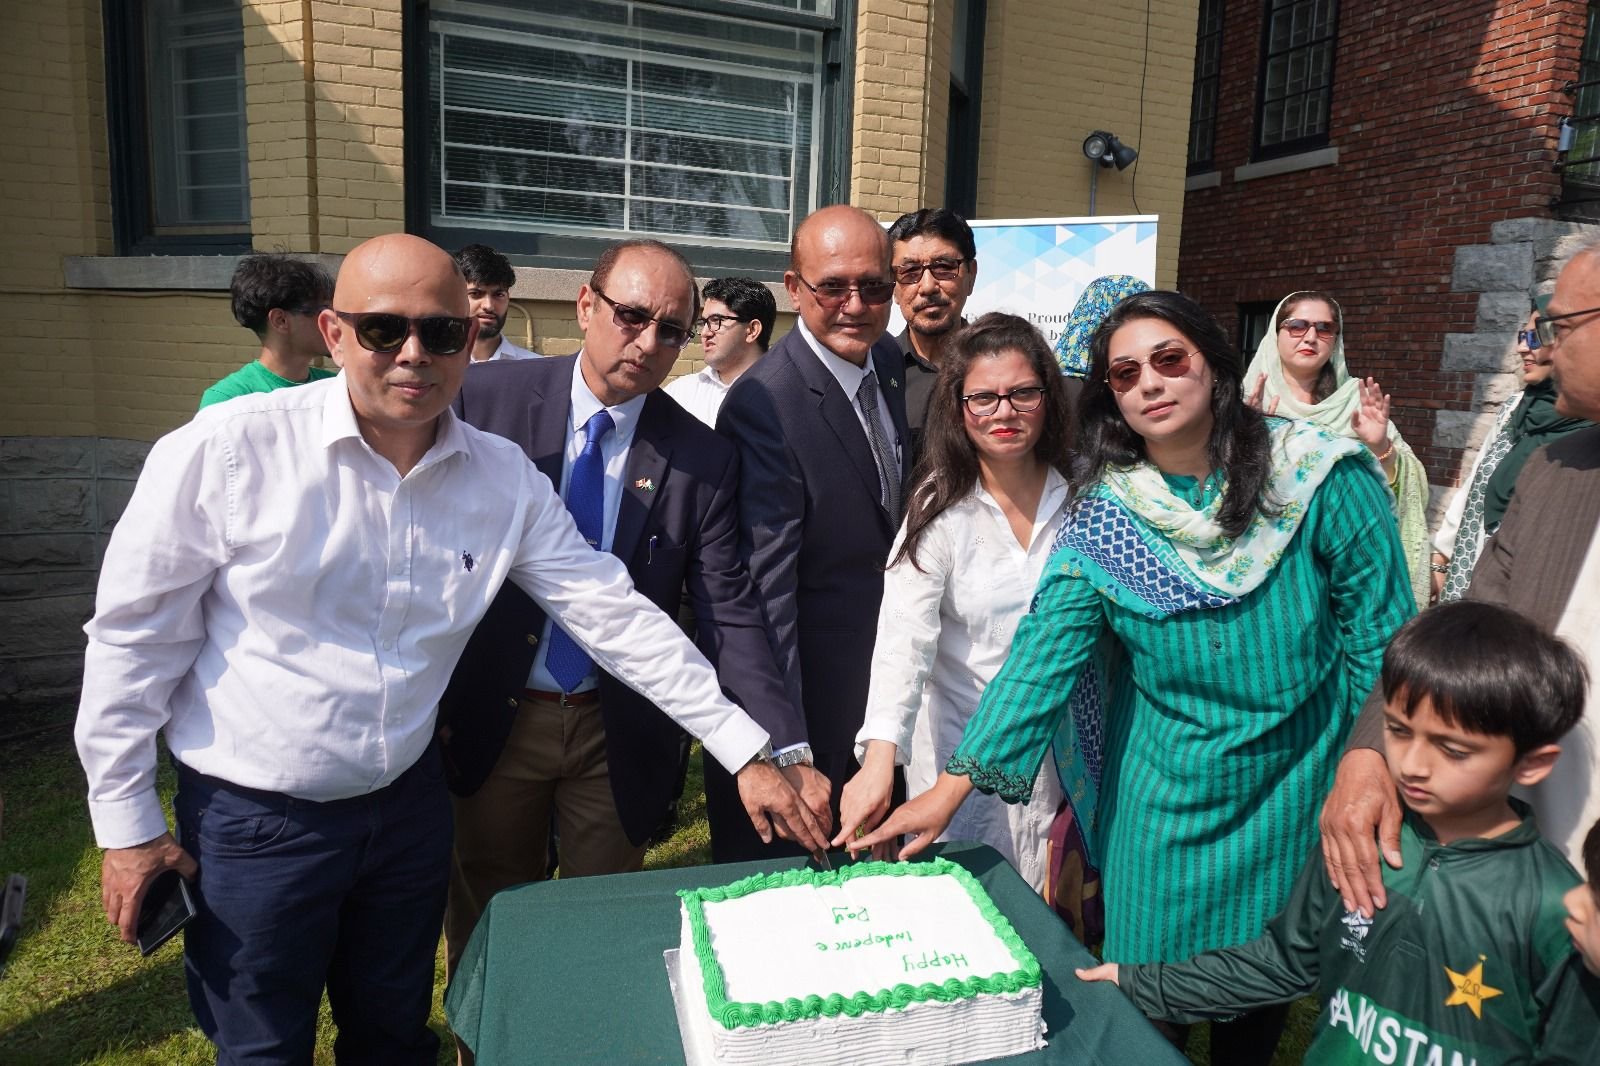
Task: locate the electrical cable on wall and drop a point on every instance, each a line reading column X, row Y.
column 1133, row 188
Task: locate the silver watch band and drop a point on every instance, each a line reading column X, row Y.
column 798, row 756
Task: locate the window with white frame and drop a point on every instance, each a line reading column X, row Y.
column 697, row 124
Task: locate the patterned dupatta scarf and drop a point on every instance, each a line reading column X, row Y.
column 1149, row 551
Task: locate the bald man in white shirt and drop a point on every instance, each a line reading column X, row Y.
column 285, row 597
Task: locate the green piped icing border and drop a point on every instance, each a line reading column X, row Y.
column 734, row 1015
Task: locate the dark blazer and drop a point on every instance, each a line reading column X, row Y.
column 1532, row 562
column 812, row 526
column 676, row 533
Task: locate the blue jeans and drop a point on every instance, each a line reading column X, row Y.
column 294, row 896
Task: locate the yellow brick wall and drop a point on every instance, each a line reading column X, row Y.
column 54, row 201
column 280, row 130
column 1055, row 71
column 888, row 130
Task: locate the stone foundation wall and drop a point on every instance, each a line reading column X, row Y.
column 59, row 498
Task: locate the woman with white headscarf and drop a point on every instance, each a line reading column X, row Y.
column 1299, row 372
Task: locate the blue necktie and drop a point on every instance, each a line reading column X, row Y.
column 586, row 499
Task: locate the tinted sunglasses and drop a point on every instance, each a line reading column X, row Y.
column 634, row 320
column 910, row 272
column 832, row 294
column 1298, row 327
column 1168, row 362
column 386, row 334
column 1529, row 339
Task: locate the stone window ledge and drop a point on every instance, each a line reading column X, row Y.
column 1209, row 180
column 1267, row 168
column 211, row 273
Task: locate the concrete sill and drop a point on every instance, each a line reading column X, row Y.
column 1322, row 157
column 1209, row 180
column 211, row 273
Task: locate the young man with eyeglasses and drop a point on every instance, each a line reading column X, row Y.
column 278, row 298
column 531, row 725
column 284, row 598
column 735, row 326
column 824, row 451
column 935, row 267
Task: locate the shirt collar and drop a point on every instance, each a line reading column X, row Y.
column 711, row 377
column 583, row 405
column 846, row 373
column 339, row 423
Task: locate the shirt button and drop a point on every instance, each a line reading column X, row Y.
column 1433, row 864
column 388, row 644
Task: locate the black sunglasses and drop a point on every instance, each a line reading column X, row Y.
column 832, row 294
column 385, row 333
column 633, row 320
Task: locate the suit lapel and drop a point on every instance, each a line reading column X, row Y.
column 547, row 439
column 890, row 363
column 838, row 411
column 645, row 474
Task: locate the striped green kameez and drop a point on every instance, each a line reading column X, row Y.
column 1223, row 727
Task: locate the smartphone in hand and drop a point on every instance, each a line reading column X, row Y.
column 167, row 908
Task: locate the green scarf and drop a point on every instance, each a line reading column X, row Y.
column 1534, row 424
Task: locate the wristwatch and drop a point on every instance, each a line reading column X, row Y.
column 796, row 756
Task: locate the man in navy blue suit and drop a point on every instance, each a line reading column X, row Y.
column 533, row 725
column 824, row 464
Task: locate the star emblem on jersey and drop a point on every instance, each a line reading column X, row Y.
column 1470, row 989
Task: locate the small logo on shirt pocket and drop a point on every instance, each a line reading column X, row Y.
column 467, row 562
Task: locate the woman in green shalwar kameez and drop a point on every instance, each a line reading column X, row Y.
column 1249, row 572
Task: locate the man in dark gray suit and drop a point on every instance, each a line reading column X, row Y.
column 825, row 460
column 1543, row 561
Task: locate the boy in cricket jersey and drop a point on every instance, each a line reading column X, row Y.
column 1470, row 963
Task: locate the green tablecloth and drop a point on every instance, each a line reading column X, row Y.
column 572, row 971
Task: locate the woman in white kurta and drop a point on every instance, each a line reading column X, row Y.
column 990, row 493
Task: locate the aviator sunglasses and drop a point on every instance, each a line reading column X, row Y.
column 386, row 334
column 1168, row 362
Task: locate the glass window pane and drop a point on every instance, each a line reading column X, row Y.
column 537, row 102
column 194, row 70
column 1297, row 80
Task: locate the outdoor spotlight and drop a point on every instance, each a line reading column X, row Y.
column 1104, row 148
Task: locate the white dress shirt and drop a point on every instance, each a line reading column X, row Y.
column 1567, row 802
column 582, row 406
column 507, row 350
column 289, row 609
column 700, row 393
column 943, row 633
column 849, row 376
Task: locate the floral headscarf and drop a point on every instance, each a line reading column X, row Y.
column 1096, row 302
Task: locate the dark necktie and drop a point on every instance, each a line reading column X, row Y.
column 586, row 500
column 882, row 452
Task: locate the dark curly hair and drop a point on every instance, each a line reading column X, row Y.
column 1240, row 443
column 948, row 468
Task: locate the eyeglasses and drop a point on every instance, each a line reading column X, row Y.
column 386, row 334
column 1298, row 327
column 1550, row 333
column 633, row 320
column 982, row 404
column 1529, row 339
column 715, row 323
column 1168, row 362
column 832, row 294
column 910, row 272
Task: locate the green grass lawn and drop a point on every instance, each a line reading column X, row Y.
column 73, row 993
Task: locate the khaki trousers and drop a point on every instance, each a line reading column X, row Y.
column 554, row 760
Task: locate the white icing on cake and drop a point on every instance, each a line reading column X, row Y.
column 883, row 940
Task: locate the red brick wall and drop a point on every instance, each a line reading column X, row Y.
column 1445, row 115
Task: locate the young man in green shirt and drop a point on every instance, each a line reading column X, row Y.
column 278, row 298
column 1470, row 963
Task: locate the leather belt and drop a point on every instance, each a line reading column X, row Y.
column 566, row 699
